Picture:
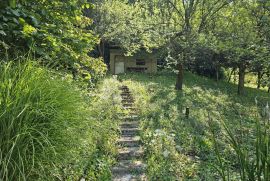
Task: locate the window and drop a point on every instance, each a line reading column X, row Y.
column 140, row 62
column 136, row 69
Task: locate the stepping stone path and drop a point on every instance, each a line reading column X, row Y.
column 130, row 166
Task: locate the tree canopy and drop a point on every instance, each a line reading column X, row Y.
column 55, row 31
column 234, row 33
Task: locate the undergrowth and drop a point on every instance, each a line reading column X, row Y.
column 52, row 130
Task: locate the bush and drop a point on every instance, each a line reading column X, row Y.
column 49, row 129
column 54, row 30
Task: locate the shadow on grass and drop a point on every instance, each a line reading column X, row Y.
column 202, row 96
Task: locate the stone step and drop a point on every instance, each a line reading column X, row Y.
column 128, row 166
column 127, row 104
column 130, row 131
column 126, row 95
column 126, row 91
column 133, row 114
column 130, row 118
column 130, row 108
column 124, row 87
column 129, row 177
column 127, row 101
column 127, row 153
column 127, row 98
column 129, row 141
column 130, row 124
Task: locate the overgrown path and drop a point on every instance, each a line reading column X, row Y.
column 130, row 166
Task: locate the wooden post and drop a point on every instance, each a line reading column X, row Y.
column 187, row 112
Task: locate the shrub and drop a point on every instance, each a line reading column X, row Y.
column 49, row 128
column 54, row 30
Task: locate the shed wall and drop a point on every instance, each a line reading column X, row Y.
column 130, row 62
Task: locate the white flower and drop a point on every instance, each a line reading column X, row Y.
column 256, row 101
column 166, row 153
column 178, row 148
column 267, row 111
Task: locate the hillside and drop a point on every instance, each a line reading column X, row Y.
column 183, row 148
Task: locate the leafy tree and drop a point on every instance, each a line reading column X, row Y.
column 186, row 21
column 260, row 10
column 236, row 31
column 54, row 30
column 228, row 33
column 173, row 24
column 125, row 23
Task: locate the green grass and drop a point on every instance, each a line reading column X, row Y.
column 181, row 148
column 52, row 130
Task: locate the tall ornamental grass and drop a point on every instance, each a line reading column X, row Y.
column 253, row 160
column 42, row 117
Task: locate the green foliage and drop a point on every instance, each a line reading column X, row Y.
column 222, row 33
column 54, row 30
column 178, row 148
column 127, row 25
column 50, row 129
column 162, row 149
column 253, row 160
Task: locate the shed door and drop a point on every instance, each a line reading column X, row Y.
column 119, row 67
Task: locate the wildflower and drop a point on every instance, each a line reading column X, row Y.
column 166, row 153
column 267, row 111
column 256, row 101
column 158, row 132
column 178, row 148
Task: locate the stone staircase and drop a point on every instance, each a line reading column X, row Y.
column 130, row 166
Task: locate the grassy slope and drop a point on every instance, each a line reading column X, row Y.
column 183, row 148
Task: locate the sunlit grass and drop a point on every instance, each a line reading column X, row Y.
column 52, row 130
column 165, row 111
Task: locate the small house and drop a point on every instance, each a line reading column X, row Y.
column 140, row 62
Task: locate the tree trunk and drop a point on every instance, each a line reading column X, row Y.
column 259, row 80
column 180, row 76
column 268, row 76
column 101, row 48
column 217, row 73
column 241, row 82
column 230, row 75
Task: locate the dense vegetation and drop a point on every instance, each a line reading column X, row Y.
column 52, row 130
column 59, row 113
column 54, row 31
column 50, row 123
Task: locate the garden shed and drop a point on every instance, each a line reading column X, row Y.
column 140, row 62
